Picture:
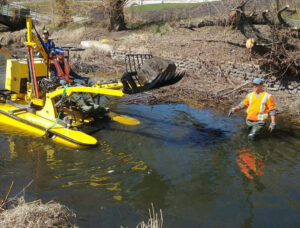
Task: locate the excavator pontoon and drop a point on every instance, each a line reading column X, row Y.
column 33, row 103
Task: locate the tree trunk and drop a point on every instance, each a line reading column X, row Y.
column 116, row 16
column 63, row 14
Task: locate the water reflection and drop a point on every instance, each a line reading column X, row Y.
column 153, row 188
column 66, row 169
column 250, row 163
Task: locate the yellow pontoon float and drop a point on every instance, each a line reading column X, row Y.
column 31, row 103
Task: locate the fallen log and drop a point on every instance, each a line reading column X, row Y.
column 236, row 88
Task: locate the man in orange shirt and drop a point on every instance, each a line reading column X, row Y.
column 260, row 105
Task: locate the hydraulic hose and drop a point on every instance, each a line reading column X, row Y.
column 33, row 72
column 59, row 112
column 42, row 43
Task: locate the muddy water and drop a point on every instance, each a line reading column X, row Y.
column 196, row 165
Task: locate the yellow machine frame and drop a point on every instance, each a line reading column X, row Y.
column 27, row 108
column 17, row 72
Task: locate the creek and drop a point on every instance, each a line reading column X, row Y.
column 195, row 165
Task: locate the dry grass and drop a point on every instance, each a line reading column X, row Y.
column 35, row 214
column 155, row 220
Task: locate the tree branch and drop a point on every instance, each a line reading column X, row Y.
column 280, row 19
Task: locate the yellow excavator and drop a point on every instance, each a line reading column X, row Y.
column 31, row 103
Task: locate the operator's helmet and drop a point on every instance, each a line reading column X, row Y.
column 45, row 31
column 59, row 50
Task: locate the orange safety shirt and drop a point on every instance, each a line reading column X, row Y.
column 60, row 72
column 259, row 107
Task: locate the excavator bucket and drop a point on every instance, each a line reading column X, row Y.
column 131, row 83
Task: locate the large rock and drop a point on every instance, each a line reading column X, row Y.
column 151, row 68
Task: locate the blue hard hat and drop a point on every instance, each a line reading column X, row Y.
column 258, row 81
column 59, row 50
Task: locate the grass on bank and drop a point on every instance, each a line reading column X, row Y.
column 152, row 7
column 35, row 4
column 76, row 8
column 295, row 16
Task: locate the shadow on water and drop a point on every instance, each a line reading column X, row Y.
column 197, row 132
column 198, row 135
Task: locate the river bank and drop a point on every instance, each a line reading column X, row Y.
column 217, row 64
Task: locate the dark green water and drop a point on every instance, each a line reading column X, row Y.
column 181, row 159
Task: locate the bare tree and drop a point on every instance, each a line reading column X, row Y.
column 63, row 14
column 3, row 2
column 115, row 11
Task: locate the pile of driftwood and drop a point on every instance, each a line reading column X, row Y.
column 277, row 47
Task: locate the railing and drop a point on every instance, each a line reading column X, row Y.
column 16, row 10
column 146, row 2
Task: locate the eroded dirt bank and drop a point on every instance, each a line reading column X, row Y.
column 201, row 52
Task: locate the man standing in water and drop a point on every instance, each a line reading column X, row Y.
column 260, row 105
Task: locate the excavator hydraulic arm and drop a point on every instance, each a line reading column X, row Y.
column 33, row 41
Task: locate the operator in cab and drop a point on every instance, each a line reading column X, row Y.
column 61, row 73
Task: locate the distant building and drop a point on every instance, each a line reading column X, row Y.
column 145, row 2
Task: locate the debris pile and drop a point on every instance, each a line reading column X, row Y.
column 18, row 213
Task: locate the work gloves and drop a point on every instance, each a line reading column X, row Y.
column 83, row 81
column 232, row 110
column 62, row 82
column 91, row 82
column 272, row 127
column 65, row 81
column 79, row 81
column 72, row 80
column 88, row 81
